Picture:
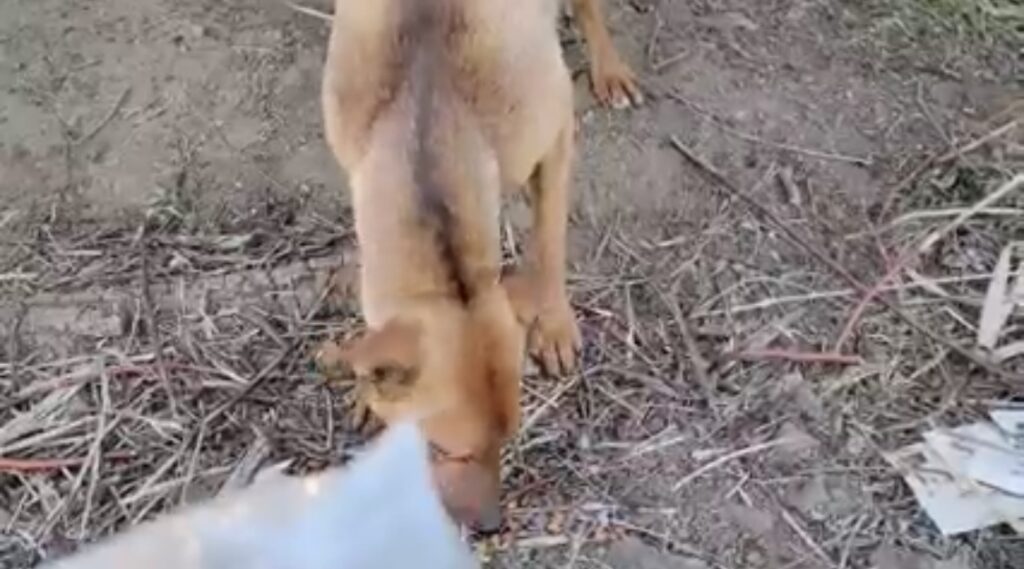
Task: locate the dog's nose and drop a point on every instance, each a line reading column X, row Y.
column 490, row 521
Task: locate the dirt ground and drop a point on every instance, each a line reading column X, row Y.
column 170, row 210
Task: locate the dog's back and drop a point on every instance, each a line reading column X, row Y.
column 439, row 105
column 477, row 61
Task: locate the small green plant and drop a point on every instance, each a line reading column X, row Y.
column 982, row 19
column 946, row 27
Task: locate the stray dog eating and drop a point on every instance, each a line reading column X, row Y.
column 433, row 108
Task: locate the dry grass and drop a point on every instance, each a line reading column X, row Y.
column 192, row 368
column 955, row 23
column 144, row 362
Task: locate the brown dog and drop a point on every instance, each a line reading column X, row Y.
column 433, row 107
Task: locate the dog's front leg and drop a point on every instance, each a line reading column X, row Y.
column 539, row 295
column 612, row 80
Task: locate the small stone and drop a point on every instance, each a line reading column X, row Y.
column 631, row 553
column 823, row 497
column 799, row 445
column 757, row 522
column 889, row 556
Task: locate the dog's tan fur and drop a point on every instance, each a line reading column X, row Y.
column 433, row 107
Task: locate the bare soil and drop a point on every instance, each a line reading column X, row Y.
column 170, row 211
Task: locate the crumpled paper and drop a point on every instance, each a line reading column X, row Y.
column 969, row 477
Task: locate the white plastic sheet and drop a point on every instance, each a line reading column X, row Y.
column 381, row 512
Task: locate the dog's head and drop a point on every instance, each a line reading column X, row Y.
column 456, row 368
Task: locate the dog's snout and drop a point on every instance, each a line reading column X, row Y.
column 489, row 521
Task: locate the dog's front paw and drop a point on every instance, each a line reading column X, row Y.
column 614, row 83
column 343, row 283
column 555, row 338
column 329, row 359
column 359, row 416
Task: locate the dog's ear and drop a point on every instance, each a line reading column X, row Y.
column 502, row 340
column 385, row 359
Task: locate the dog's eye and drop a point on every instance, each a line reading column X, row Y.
column 391, row 381
column 393, row 375
column 439, row 454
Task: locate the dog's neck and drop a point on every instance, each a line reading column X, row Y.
column 426, row 211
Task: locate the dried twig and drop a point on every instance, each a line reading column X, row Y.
column 44, row 465
column 942, row 160
column 725, row 459
column 926, row 244
column 865, row 301
column 308, row 11
column 1013, row 185
column 106, row 120
column 151, row 321
column 924, row 283
column 94, row 471
column 1001, row 299
column 797, row 357
column 701, row 365
column 721, row 124
column 835, row 266
column 806, row 538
